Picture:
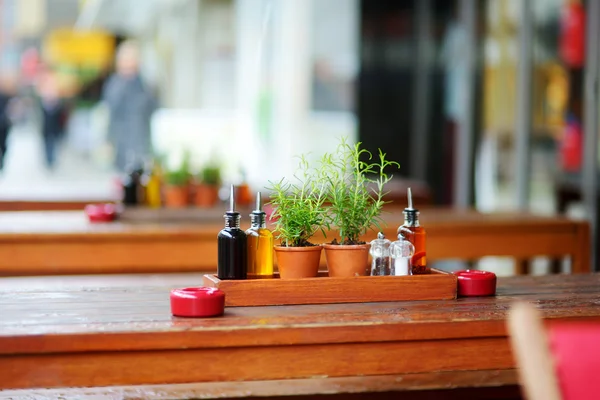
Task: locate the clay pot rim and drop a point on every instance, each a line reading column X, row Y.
column 298, row 249
column 329, row 246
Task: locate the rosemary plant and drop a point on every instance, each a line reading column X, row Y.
column 355, row 189
column 298, row 206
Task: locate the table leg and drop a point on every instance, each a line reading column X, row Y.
column 580, row 259
column 556, row 265
column 522, row 267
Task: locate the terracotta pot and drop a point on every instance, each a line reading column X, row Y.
column 243, row 196
column 298, row 262
column 347, row 260
column 206, row 195
column 177, row 196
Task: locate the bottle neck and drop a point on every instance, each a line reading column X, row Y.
column 411, row 218
column 258, row 220
column 232, row 220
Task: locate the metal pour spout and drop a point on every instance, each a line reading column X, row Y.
column 258, row 206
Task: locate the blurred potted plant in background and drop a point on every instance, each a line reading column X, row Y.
column 208, row 182
column 355, row 193
column 177, row 184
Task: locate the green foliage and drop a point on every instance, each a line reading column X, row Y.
column 355, row 189
column 181, row 175
column 298, row 206
column 211, row 175
column 177, row 177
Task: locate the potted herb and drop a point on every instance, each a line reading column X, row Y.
column 355, row 193
column 177, row 185
column 207, row 186
column 298, row 213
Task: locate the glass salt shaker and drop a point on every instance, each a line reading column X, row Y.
column 401, row 252
column 380, row 252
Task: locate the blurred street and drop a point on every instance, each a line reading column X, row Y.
column 26, row 177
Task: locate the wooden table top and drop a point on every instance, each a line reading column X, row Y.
column 60, row 224
column 61, row 242
column 98, row 336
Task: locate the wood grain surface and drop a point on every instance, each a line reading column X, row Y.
column 106, row 336
column 438, row 285
column 374, row 387
column 34, row 243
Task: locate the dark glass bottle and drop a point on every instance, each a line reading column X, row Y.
column 232, row 247
column 131, row 184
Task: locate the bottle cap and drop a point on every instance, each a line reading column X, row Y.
column 258, row 216
column 411, row 214
column 197, row 302
column 476, row 283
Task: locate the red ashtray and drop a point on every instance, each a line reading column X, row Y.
column 197, row 302
column 476, row 283
column 101, row 212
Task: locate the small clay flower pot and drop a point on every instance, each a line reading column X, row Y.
column 347, row 260
column 298, row 262
column 206, row 195
column 177, row 196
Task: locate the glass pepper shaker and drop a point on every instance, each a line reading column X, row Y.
column 401, row 252
column 380, row 252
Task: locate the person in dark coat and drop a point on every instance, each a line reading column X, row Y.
column 5, row 124
column 7, row 103
column 53, row 118
column 131, row 104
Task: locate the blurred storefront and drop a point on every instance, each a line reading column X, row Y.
column 255, row 82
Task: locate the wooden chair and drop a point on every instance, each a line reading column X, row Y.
column 558, row 362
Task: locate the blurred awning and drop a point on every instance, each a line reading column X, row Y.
column 83, row 48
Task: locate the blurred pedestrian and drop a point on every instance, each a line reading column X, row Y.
column 7, row 96
column 131, row 104
column 54, row 116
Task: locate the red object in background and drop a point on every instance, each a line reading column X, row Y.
column 476, row 283
column 101, row 212
column 30, row 64
column 197, row 302
column 572, row 35
column 575, row 349
column 570, row 151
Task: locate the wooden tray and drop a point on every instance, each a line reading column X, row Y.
column 438, row 285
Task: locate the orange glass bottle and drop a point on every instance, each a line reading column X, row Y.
column 415, row 234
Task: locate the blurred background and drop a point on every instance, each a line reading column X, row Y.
column 478, row 100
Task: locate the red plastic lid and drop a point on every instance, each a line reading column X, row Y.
column 476, row 283
column 197, row 302
column 101, row 212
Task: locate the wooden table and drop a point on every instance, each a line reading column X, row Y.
column 86, row 335
column 47, row 199
column 34, row 243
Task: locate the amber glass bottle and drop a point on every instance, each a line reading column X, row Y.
column 152, row 183
column 260, row 245
column 415, row 234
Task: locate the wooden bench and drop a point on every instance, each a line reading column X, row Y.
column 88, row 335
column 47, row 243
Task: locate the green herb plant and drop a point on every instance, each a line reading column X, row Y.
column 181, row 175
column 298, row 208
column 355, row 190
column 211, row 175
